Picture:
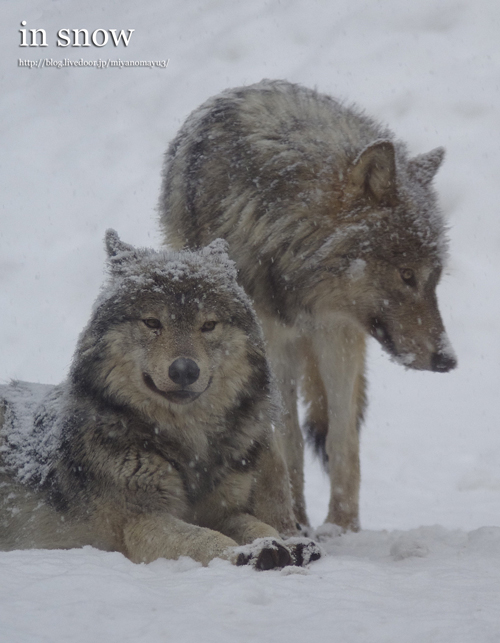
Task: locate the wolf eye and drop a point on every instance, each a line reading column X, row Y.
column 208, row 326
column 153, row 323
column 408, row 276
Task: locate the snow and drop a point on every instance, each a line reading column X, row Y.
column 82, row 152
column 360, row 592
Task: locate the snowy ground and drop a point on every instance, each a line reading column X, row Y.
column 82, row 151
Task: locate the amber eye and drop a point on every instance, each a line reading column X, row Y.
column 153, row 323
column 408, row 276
column 208, row 326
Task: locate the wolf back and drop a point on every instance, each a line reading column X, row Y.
column 336, row 234
column 160, row 443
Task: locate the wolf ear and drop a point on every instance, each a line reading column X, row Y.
column 424, row 166
column 218, row 247
column 114, row 245
column 117, row 250
column 217, row 252
column 373, row 175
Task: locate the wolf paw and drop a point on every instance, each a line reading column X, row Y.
column 263, row 554
column 303, row 550
column 269, row 553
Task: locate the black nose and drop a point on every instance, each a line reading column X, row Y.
column 183, row 371
column 442, row 363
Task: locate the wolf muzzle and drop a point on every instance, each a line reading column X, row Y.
column 183, row 371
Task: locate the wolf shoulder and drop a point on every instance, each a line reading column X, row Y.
column 278, row 151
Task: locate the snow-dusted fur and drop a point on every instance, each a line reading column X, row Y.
column 336, row 234
column 160, row 443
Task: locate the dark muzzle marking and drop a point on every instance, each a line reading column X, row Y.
column 379, row 330
column 180, row 396
column 184, row 371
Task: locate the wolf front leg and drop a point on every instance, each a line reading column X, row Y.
column 339, row 348
column 148, row 537
column 244, row 528
column 283, row 353
column 272, row 497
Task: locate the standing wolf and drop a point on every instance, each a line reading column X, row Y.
column 160, row 443
column 335, row 232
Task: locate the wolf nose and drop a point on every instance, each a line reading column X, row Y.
column 183, row 371
column 442, row 363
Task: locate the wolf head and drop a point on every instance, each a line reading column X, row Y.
column 388, row 254
column 170, row 330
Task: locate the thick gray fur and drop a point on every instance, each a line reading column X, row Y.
column 160, row 443
column 336, row 234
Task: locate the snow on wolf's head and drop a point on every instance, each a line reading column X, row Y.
column 171, row 331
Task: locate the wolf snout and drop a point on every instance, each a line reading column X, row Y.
column 184, row 371
column 442, row 363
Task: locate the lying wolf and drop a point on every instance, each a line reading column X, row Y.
column 336, row 234
column 160, row 443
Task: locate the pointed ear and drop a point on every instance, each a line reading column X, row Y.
column 118, row 251
column 423, row 167
column 114, row 245
column 217, row 252
column 218, row 247
column 372, row 176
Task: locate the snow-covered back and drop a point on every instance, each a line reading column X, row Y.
column 82, row 151
column 30, row 433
